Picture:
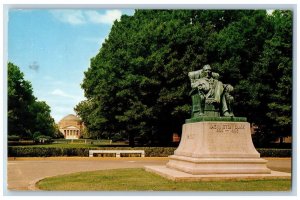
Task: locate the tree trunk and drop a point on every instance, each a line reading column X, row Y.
column 131, row 139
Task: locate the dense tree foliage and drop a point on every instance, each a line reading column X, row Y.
column 137, row 84
column 20, row 97
column 27, row 117
column 42, row 122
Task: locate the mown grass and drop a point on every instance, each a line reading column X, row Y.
column 67, row 145
column 71, row 145
column 140, row 180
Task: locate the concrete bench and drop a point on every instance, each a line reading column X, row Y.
column 117, row 152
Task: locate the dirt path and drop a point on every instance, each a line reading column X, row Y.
column 23, row 173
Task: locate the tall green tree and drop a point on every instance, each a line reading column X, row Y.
column 275, row 69
column 138, row 82
column 20, row 97
column 26, row 115
column 42, row 122
column 86, row 110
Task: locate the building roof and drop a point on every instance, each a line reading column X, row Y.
column 70, row 117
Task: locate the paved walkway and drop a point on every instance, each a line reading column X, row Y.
column 23, row 173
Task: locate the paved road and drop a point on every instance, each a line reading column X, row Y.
column 23, row 173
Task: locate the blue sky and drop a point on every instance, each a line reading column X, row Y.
column 53, row 48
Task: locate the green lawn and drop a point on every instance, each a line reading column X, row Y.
column 66, row 145
column 140, row 180
column 71, row 145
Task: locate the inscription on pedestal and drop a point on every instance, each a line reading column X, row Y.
column 227, row 138
column 226, row 128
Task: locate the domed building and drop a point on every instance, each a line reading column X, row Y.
column 71, row 127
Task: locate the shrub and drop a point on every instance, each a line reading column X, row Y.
column 117, row 137
column 43, row 139
column 23, row 151
column 275, row 152
column 36, row 134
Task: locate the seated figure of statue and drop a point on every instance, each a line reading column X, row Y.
column 209, row 95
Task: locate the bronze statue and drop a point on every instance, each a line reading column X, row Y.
column 210, row 97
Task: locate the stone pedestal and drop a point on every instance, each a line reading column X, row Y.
column 217, row 148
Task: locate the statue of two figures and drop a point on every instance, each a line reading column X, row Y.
column 210, row 97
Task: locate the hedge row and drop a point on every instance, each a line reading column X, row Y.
column 275, row 152
column 23, row 151
column 19, row 151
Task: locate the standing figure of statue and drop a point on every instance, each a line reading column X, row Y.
column 210, row 97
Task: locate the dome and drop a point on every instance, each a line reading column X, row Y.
column 70, row 117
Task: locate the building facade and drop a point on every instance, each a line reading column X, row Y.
column 71, row 127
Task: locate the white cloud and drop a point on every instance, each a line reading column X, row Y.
column 74, row 17
column 108, row 18
column 58, row 92
column 78, row 17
